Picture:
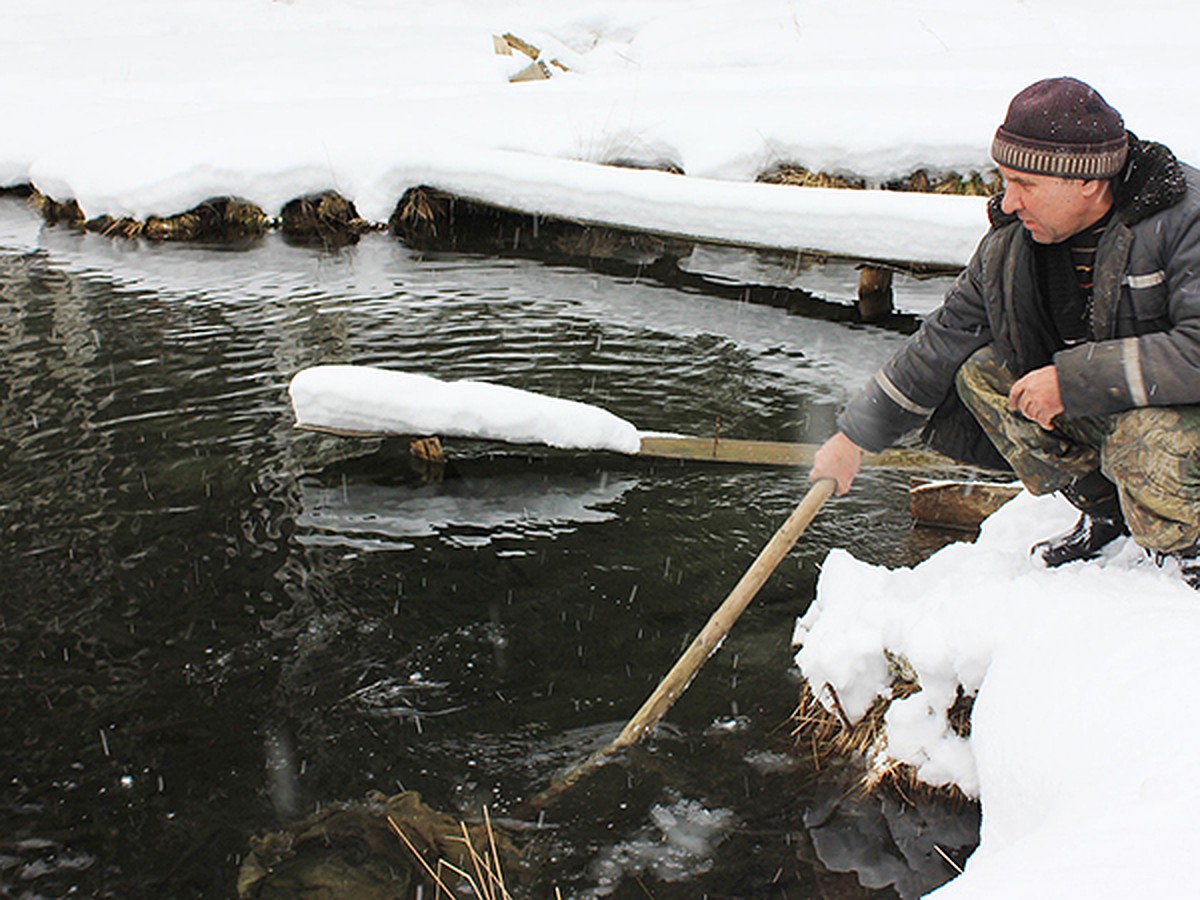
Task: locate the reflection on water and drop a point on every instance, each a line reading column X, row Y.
column 888, row 843
column 212, row 623
column 512, row 509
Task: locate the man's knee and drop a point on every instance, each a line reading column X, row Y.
column 982, row 377
column 1153, row 455
column 1161, row 443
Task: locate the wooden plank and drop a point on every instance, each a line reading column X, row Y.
column 959, row 505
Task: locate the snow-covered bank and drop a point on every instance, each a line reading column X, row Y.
column 149, row 109
column 1085, row 722
column 878, row 225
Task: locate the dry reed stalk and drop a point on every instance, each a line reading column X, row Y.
column 950, row 862
column 417, row 204
column 488, row 881
column 496, row 871
column 421, row 859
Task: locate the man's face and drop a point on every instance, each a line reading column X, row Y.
column 1052, row 208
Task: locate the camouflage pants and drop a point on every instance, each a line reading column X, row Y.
column 1151, row 453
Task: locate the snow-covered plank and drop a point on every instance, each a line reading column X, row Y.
column 369, row 400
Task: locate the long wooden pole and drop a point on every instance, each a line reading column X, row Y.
column 706, row 643
column 718, row 449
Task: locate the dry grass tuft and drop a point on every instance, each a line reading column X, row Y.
column 422, row 214
column 349, row 849
column 55, row 212
column 825, row 734
column 226, row 219
column 109, row 227
column 485, row 880
column 974, row 184
column 326, row 219
column 656, row 165
column 220, row 219
column 789, row 173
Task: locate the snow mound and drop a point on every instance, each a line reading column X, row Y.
column 368, row 400
column 1085, row 720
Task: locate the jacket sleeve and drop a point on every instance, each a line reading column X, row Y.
column 909, row 387
column 1162, row 366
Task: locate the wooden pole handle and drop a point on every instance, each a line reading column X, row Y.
column 706, row 643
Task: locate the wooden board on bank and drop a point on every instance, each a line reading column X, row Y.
column 959, row 505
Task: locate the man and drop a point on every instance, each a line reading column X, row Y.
column 1069, row 349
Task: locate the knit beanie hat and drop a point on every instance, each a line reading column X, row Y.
column 1061, row 126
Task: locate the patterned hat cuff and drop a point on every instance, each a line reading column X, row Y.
column 1085, row 161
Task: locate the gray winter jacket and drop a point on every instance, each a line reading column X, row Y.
column 1145, row 324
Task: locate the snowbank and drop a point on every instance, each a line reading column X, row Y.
column 1085, row 722
column 150, row 108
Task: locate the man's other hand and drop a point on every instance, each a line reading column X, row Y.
column 1036, row 396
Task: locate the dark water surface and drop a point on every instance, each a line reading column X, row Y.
column 212, row 624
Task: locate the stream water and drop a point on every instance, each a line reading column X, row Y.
column 212, row 624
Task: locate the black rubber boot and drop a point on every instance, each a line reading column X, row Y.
column 1090, row 535
column 1100, row 523
column 1189, row 565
